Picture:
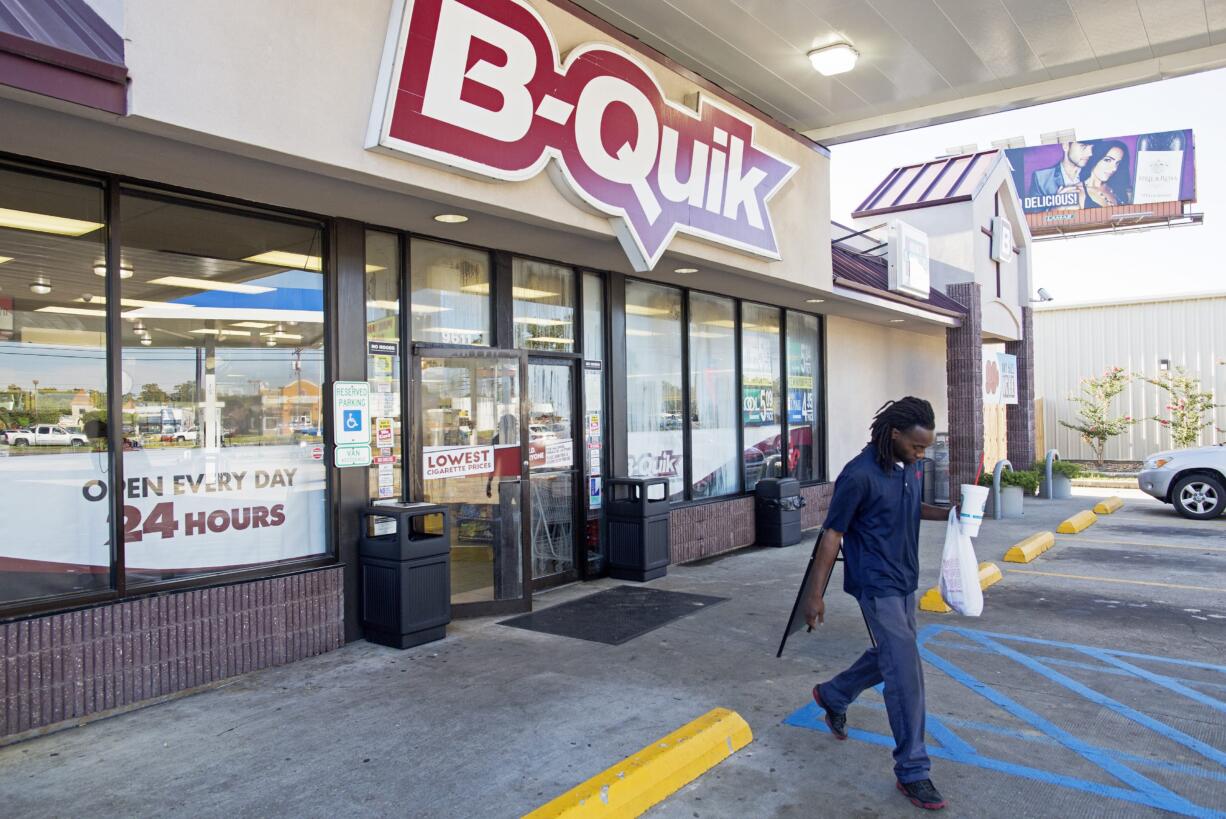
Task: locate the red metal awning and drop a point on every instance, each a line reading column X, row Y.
column 62, row 49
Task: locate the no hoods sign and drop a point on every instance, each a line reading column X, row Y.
column 478, row 86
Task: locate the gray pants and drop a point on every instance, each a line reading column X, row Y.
column 895, row 661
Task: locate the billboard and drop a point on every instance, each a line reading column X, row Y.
column 1091, row 183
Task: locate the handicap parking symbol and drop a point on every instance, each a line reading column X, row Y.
column 351, row 420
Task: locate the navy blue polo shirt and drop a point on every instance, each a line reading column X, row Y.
column 878, row 512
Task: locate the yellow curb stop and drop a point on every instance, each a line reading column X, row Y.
column 1077, row 523
column 641, row 780
column 932, row 601
column 1028, row 549
column 989, row 574
column 1109, row 505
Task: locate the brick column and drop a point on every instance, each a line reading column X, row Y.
column 964, row 380
column 1019, row 418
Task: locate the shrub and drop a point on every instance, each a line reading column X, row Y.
column 1025, row 478
column 1068, row 469
column 1187, row 404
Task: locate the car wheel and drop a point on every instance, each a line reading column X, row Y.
column 21, row 442
column 77, row 442
column 1199, row 497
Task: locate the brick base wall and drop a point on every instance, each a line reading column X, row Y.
column 64, row 667
column 709, row 529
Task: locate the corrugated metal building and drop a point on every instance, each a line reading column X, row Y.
column 1076, row 341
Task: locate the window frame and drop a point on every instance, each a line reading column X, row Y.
column 113, row 187
column 688, row 498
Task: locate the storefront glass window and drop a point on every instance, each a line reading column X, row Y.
column 654, row 417
column 803, row 361
column 760, row 375
column 53, row 506
column 544, row 306
column 223, row 368
column 593, row 317
column 713, row 406
column 383, row 364
column 451, row 293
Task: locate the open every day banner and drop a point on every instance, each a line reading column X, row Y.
column 183, row 509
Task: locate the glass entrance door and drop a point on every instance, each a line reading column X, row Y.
column 469, row 441
column 553, row 470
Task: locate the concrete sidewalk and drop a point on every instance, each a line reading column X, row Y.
column 495, row 721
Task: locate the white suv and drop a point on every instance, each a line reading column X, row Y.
column 1192, row 480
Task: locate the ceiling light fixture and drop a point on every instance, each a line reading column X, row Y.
column 483, row 289
column 41, row 285
column 4, row 259
column 125, row 270
column 95, row 299
column 271, row 342
column 541, row 322
column 837, row 58
column 686, row 270
column 146, row 341
column 451, row 218
column 45, row 223
column 814, row 301
column 209, row 284
column 896, row 321
column 71, row 311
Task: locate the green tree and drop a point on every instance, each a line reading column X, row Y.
column 1094, row 420
column 1187, row 405
column 184, row 393
column 153, row 394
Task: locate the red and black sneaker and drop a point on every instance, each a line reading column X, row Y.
column 836, row 722
column 923, row 794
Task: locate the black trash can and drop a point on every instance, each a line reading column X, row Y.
column 777, row 505
column 405, row 558
column 636, row 514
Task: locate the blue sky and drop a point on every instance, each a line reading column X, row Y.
column 1092, row 268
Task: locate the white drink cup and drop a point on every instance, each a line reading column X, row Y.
column 974, row 499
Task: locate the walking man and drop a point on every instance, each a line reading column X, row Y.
column 875, row 514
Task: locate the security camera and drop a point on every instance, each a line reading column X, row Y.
column 1044, row 295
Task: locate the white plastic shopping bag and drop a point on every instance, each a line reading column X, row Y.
column 960, row 571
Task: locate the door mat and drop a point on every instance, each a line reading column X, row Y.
column 614, row 616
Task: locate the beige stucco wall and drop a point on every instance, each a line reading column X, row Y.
column 867, row 365
column 293, row 82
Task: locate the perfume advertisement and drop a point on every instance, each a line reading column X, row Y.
column 1102, row 173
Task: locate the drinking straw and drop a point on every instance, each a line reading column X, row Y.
column 979, row 474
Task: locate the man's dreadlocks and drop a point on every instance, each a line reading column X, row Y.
column 900, row 415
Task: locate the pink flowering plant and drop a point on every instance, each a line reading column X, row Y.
column 1188, row 407
column 1095, row 421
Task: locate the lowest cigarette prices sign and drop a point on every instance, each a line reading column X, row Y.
column 450, row 462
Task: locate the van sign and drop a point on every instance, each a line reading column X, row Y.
column 479, row 86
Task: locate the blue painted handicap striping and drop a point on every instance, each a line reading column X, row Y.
column 1175, row 677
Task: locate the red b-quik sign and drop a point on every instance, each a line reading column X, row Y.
column 478, row 86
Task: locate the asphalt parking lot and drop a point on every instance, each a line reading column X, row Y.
column 1094, row 684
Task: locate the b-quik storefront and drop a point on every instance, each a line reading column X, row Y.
column 551, row 256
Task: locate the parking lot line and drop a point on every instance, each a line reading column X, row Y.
column 957, row 738
column 1116, row 580
column 1079, row 540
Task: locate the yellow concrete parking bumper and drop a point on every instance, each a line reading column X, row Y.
column 636, row 783
column 989, row 573
column 1077, row 523
column 1109, row 505
column 1027, row 550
